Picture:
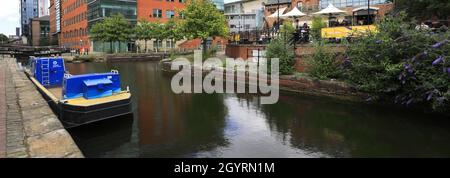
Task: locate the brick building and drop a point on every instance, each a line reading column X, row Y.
column 74, row 24
column 158, row 10
column 40, row 31
column 55, row 21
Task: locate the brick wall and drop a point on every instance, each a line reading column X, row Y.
column 302, row 52
column 196, row 43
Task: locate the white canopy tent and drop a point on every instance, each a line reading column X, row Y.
column 294, row 13
column 330, row 10
column 278, row 12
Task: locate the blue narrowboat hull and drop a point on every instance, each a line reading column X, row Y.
column 79, row 111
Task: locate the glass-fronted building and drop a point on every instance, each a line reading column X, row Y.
column 28, row 10
column 349, row 3
column 99, row 9
column 219, row 4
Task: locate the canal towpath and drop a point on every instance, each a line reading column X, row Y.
column 28, row 127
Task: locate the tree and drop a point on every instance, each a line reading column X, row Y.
column 3, row 38
column 423, row 9
column 173, row 30
column 112, row 29
column 317, row 25
column 97, row 33
column 143, row 31
column 158, row 32
column 203, row 20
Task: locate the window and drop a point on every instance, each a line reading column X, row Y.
column 157, row 44
column 157, row 13
column 170, row 14
column 349, row 3
column 170, row 44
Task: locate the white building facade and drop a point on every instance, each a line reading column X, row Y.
column 244, row 15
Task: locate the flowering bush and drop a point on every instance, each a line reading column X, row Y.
column 403, row 63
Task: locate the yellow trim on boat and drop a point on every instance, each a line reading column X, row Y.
column 85, row 102
column 45, row 90
column 82, row 101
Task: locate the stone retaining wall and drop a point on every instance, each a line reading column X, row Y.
column 33, row 130
column 301, row 84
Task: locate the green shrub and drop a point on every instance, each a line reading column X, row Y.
column 323, row 64
column 210, row 52
column 287, row 29
column 278, row 48
column 316, row 28
column 400, row 62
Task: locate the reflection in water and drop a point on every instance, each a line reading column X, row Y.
column 236, row 125
column 104, row 137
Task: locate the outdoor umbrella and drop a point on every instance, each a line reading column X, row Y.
column 330, row 10
column 294, row 13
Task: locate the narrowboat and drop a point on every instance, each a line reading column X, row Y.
column 79, row 99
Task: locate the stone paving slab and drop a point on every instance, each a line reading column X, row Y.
column 3, row 108
column 31, row 127
column 52, row 145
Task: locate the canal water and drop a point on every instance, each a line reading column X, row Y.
column 167, row 125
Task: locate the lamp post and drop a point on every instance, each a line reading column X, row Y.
column 368, row 12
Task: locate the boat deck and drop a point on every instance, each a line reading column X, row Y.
column 56, row 91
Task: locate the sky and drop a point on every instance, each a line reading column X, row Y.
column 9, row 16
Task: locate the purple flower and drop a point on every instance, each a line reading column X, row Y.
column 439, row 44
column 429, row 96
column 409, row 101
column 446, row 70
column 438, row 60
